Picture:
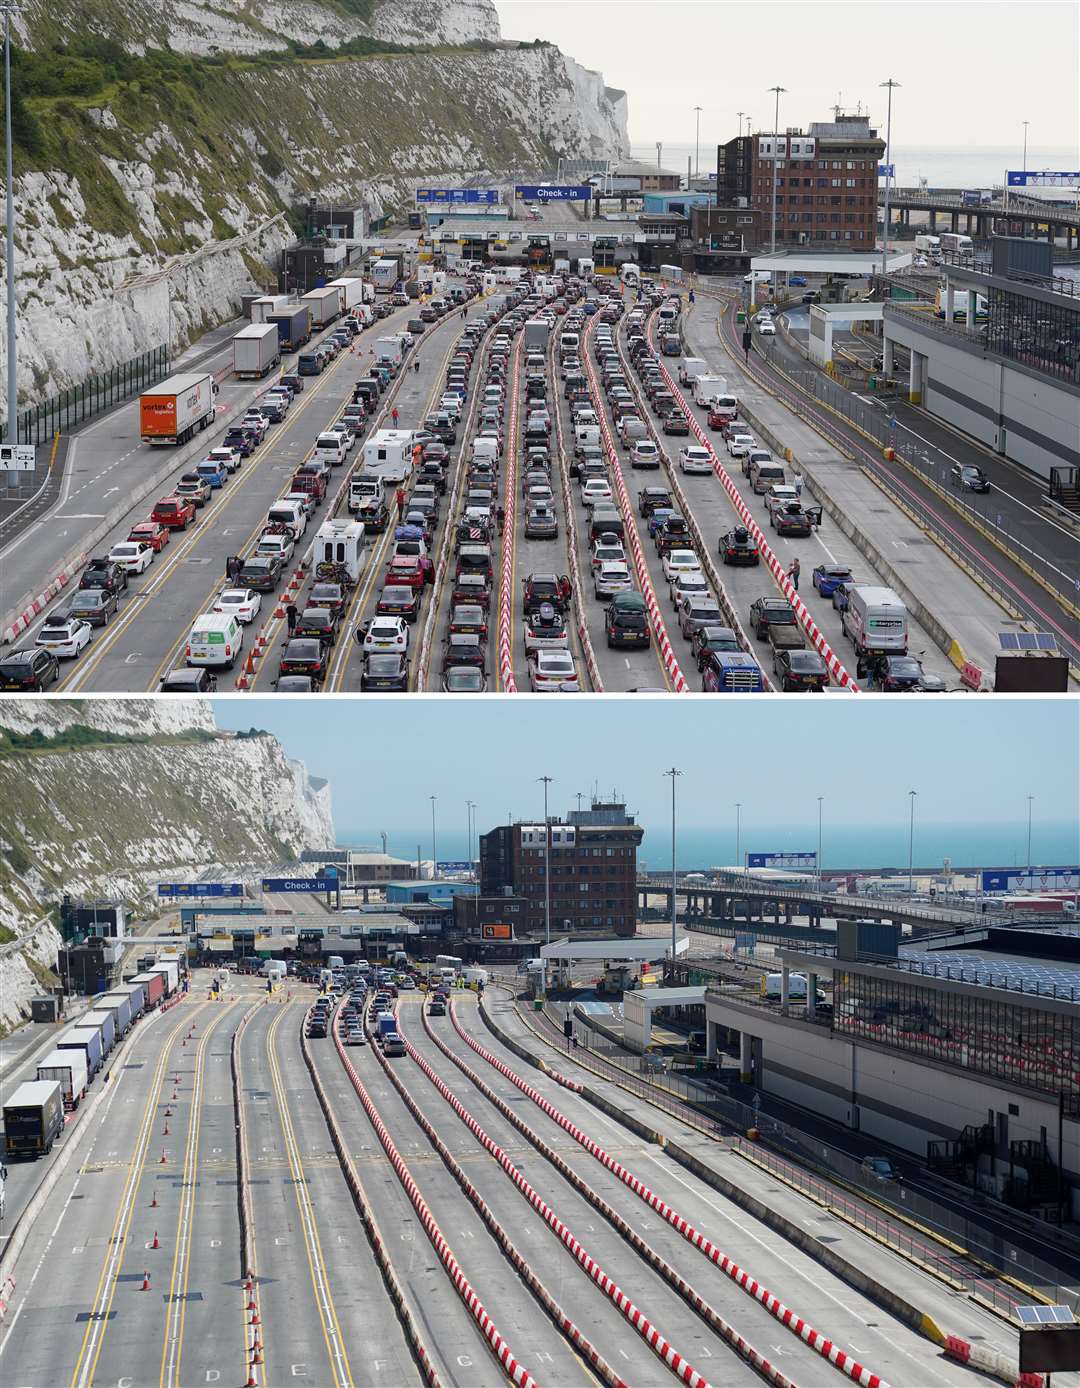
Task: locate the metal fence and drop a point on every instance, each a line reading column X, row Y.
column 61, row 412
column 879, row 423
column 803, row 1160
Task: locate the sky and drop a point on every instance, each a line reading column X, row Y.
column 969, row 73
column 971, row 760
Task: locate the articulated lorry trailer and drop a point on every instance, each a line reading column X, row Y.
column 256, row 350
column 170, row 413
column 324, row 304
column 293, row 325
column 33, row 1118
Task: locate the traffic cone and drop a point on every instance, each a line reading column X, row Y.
column 251, row 1304
column 254, row 1318
column 256, row 1358
column 168, row 1112
column 155, row 1244
column 252, row 1382
column 166, row 1131
column 153, row 1203
column 163, row 1159
column 145, row 1282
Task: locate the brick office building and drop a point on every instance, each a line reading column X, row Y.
column 593, row 862
column 826, row 185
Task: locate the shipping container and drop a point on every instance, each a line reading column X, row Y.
column 120, row 1003
column 293, row 325
column 256, row 350
column 105, row 1020
column 262, row 308
column 170, row 413
column 86, row 1040
column 154, row 983
column 324, row 305
column 33, row 1118
column 68, row 1068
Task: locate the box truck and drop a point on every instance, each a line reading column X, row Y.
column 105, row 1021
column 68, row 1069
column 957, row 244
column 671, row 272
column 172, row 411
column 261, row 309
column 33, row 1118
column 87, row 1041
column 386, row 272
column 120, row 1003
column 389, row 454
column 350, row 290
column 256, row 350
column 293, row 325
column 536, row 333
column 323, row 304
column 154, row 984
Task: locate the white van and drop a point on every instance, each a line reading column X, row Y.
column 690, row 368
column 289, row 514
column 668, row 315
column 876, row 620
column 330, row 448
column 569, row 342
column 215, row 640
column 586, row 436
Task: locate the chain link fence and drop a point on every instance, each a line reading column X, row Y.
column 61, row 412
column 802, row 1160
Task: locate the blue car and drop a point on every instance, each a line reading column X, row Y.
column 214, row 473
column 796, row 279
column 828, row 577
column 657, row 519
column 243, row 440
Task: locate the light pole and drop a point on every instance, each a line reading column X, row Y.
column 434, row 856
column 738, row 834
column 888, row 178
column 1025, row 124
column 547, row 862
column 697, row 142
column 1029, row 800
column 469, row 807
column 740, row 114
column 775, row 161
column 820, row 803
column 674, row 774
column 9, row 258
column 911, row 847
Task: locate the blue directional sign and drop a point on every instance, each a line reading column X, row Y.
column 457, row 195
column 1036, row 879
column 448, row 866
column 165, row 889
column 781, row 860
column 886, row 171
column 299, row 884
column 1044, row 178
column 553, row 192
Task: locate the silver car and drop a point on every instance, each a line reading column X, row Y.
column 698, row 611
column 541, row 523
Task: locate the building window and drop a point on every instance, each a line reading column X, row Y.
column 835, row 183
column 847, row 235
column 850, row 165
column 849, row 183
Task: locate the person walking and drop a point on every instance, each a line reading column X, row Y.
column 793, row 574
column 394, row 416
column 416, row 366
column 501, row 517
column 797, row 483
column 400, row 502
column 234, row 568
column 691, row 296
column 292, row 616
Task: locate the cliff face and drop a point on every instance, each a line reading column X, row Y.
column 154, row 205
column 172, row 799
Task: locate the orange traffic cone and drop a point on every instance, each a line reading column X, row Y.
column 254, row 1318
column 162, row 1161
column 166, row 1131
column 145, row 1282
column 256, row 1358
column 252, row 1382
column 153, row 1203
column 155, row 1244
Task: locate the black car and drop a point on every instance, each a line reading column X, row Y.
column 767, row 612
column 29, row 670
column 711, row 638
column 893, row 674
column 463, row 679
column 969, row 478
column 260, row 572
column 399, row 600
column 328, row 595
column 304, row 656
column 464, row 648
column 650, row 498
column 385, row 670
column 542, row 588
column 798, row 670
column 293, row 382
column 736, row 547
column 196, row 680
column 243, row 441
column 626, row 622
column 103, row 573
column 317, row 622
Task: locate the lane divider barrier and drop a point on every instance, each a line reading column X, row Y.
column 507, row 596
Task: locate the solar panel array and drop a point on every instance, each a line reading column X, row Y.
column 1045, row 1315
column 1027, row 641
column 1023, row 975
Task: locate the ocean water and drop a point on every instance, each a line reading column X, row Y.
column 943, row 166
column 843, row 846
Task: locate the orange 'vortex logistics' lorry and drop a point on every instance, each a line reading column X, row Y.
column 172, row 411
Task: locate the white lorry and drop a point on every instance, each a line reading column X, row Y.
column 350, row 291
column 929, row 245
column 256, row 350
column 536, row 333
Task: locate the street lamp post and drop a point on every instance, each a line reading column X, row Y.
column 1025, row 124
column 738, row 834
column 775, row 162
column 697, row 142
column 1029, row 800
column 888, row 178
column 9, row 258
column 820, row 803
column 911, row 847
column 547, row 862
column 469, row 807
column 434, row 855
column 674, row 774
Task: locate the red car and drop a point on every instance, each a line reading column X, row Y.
column 405, row 572
column 150, row 533
column 174, row 512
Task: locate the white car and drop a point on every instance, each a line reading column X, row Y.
column 452, row 405
column 680, row 561
column 387, row 634
column 739, row 445
column 612, row 577
column 541, row 635
column 230, row 457
column 255, row 419
column 607, row 551
column 244, row 603
column 695, row 459
column 766, row 327
column 645, row 454
column 64, row 636
column 595, row 489
column 344, row 433
column 132, row 555
column 689, row 584
column 554, row 672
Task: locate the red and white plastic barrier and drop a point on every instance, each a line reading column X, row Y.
column 41, row 602
column 637, row 1318
column 515, row 1372
column 648, row 592
column 813, row 631
column 795, row 1323
column 506, row 590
